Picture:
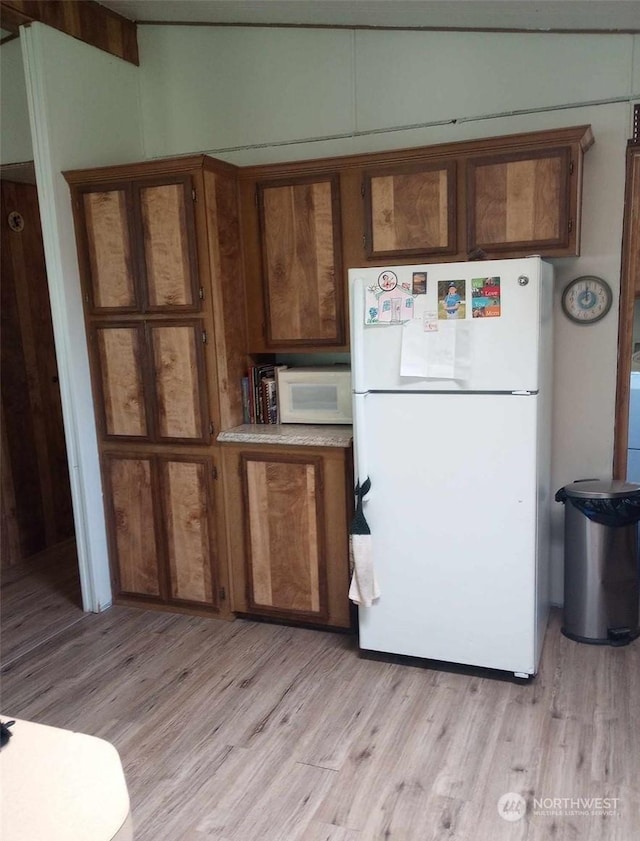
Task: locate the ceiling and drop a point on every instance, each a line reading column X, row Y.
column 572, row 15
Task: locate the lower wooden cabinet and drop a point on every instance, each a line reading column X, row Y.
column 165, row 521
column 287, row 518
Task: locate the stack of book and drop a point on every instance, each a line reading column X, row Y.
column 259, row 395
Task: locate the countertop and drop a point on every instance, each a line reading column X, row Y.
column 289, row 434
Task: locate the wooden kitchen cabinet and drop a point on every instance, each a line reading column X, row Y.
column 496, row 197
column 139, row 245
column 152, row 380
column 521, row 201
column 287, row 517
column 410, row 210
column 507, row 196
column 295, row 291
column 163, row 528
column 161, row 273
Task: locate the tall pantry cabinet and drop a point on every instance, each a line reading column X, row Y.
column 160, row 266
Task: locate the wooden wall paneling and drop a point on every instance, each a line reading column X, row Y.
column 47, row 401
column 179, row 374
column 188, row 516
column 131, row 499
column 227, row 293
column 123, row 392
column 103, row 226
column 86, row 20
column 411, row 210
column 519, row 200
column 302, row 262
column 286, row 570
column 33, row 428
column 10, row 538
column 168, row 257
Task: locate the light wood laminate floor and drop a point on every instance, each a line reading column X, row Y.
column 242, row 731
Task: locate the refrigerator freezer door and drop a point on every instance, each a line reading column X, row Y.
column 505, row 350
column 452, row 513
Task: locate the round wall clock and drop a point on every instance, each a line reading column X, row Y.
column 587, row 299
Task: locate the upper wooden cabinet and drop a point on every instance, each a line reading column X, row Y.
column 159, row 244
column 301, row 262
column 138, row 243
column 507, row 196
column 520, row 200
column 410, row 210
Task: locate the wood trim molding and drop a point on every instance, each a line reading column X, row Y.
column 160, row 167
column 85, row 20
column 629, row 283
column 525, row 142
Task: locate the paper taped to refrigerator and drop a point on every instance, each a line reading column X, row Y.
column 443, row 354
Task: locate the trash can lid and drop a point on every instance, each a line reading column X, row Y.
column 607, row 489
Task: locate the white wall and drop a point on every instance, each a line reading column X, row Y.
column 83, row 109
column 262, row 95
column 15, row 142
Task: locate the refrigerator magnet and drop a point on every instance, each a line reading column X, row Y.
column 451, row 299
column 419, row 283
column 485, row 297
column 430, row 321
column 387, row 281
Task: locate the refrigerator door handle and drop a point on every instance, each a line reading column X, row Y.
column 356, row 316
column 360, row 449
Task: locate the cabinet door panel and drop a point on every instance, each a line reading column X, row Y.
column 411, row 211
column 520, row 200
column 120, row 354
column 188, row 521
column 166, row 214
column 178, row 365
column 109, row 250
column 286, row 569
column 302, row 264
column 130, row 508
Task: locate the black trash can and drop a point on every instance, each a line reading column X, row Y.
column 601, row 564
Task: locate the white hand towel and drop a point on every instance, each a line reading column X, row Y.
column 364, row 587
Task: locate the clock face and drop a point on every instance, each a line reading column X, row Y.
column 587, row 299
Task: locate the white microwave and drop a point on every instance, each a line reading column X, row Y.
column 314, row 395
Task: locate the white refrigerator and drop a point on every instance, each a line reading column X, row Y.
column 451, row 373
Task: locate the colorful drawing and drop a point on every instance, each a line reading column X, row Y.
column 451, row 299
column 395, row 306
column 371, row 304
column 419, row 284
column 485, row 297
